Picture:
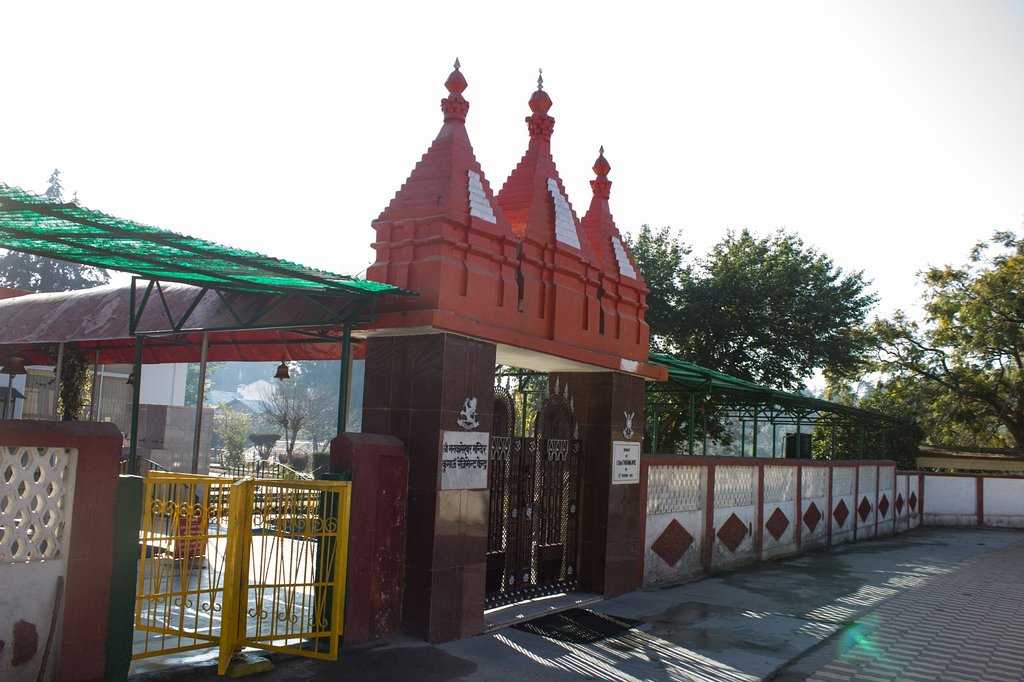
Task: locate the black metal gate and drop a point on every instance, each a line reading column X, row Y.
column 532, row 543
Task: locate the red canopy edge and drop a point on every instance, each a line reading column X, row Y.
column 97, row 320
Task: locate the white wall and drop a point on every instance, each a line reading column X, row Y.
column 950, row 500
column 1003, row 501
column 163, row 384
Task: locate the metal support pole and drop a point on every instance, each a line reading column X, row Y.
column 705, row 450
column 8, row 399
column 690, row 421
column 57, row 380
column 133, row 443
column 93, row 390
column 346, row 351
column 99, row 395
column 200, row 399
column 754, row 444
column 799, row 443
column 654, row 429
column 743, row 437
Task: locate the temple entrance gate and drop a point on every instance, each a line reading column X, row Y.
column 534, row 482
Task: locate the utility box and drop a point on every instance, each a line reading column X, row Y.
column 798, row 446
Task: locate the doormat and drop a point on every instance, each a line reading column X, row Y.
column 578, row 626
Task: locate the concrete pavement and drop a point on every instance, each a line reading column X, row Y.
column 865, row 611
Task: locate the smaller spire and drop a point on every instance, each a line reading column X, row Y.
column 602, row 186
column 539, row 123
column 601, row 166
column 455, row 106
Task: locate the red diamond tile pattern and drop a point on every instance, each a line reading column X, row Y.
column 913, row 501
column 899, row 503
column 864, row 509
column 777, row 524
column 841, row 512
column 673, row 542
column 812, row 517
column 883, row 506
column 732, row 532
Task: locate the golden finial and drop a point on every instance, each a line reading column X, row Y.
column 540, row 79
column 457, row 64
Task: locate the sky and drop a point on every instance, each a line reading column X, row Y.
column 887, row 134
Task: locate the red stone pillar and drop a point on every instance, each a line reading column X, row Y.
column 609, row 407
column 376, row 554
column 416, row 388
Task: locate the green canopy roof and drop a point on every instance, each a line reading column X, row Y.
column 68, row 232
column 687, row 377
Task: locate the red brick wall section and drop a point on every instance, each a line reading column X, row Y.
column 90, row 549
column 376, row 559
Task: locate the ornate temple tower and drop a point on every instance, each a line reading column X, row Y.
column 518, row 280
column 622, row 292
column 518, row 270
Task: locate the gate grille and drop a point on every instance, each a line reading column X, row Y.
column 532, row 533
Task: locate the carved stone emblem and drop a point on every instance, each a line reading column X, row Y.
column 627, row 431
column 467, row 417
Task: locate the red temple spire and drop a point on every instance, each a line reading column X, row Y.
column 448, row 179
column 599, row 226
column 533, row 197
column 455, row 106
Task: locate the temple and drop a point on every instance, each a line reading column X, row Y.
column 519, row 269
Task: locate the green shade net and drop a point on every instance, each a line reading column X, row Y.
column 688, row 377
column 33, row 224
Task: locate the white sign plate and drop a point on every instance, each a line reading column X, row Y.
column 625, row 462
column 464, row 460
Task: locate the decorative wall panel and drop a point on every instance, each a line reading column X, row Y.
column 779, row 483
column 734, row 486
column 35, row 489
column 675, row 489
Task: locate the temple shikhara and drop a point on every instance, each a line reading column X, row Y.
column 517, row 267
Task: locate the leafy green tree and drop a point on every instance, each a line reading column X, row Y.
column 35, row 273
column 967, row 357
column 232, row 428
column 766, row 309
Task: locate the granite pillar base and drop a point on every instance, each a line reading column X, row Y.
column 416, row 387
column 609, row 407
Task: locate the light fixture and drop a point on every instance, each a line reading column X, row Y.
column 282, row 371
column 13, row 365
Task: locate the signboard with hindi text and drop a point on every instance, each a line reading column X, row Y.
column 464, row 460
column 625, row 462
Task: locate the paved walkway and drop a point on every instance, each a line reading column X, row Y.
column 935, row 604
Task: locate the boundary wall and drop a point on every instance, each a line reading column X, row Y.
column 973, row 500
column 706, row 514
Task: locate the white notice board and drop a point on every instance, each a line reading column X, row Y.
column 625, row 462
column 464, row 460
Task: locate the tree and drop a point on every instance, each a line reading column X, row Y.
column 192, row 382
column 319, row 381
column 967, row 355
column 766, row 309
column 55, row 190
column 35, row 273
column 287, row 407
column 232, row 427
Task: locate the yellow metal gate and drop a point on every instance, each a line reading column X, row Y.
column 247, row 563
